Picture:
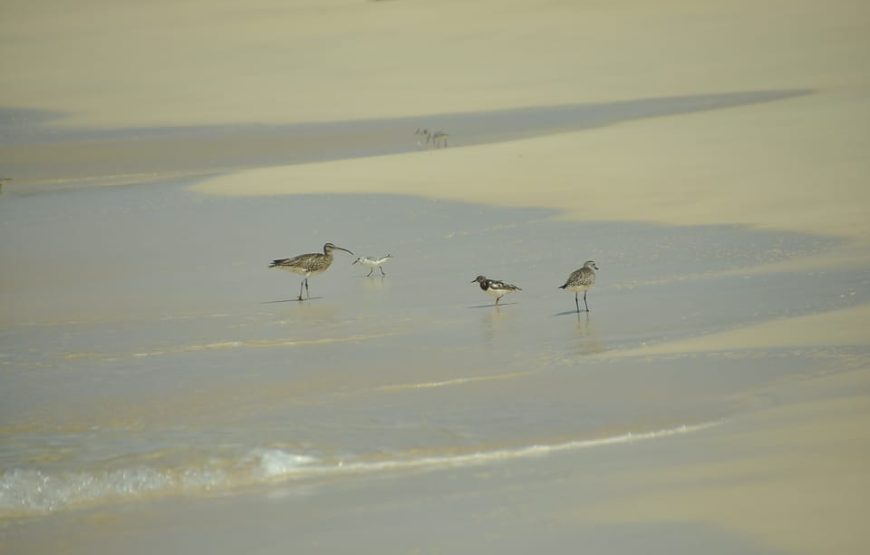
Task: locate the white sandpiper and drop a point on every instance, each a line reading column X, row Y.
column 373, row 263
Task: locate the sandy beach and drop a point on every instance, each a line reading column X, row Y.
column 161, row 390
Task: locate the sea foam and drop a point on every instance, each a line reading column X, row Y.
column 33, row 491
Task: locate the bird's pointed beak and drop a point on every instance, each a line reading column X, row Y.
column 341, row 249
column 354, row 262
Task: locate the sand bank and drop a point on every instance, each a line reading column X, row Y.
column 740, row 165
column 836, row 328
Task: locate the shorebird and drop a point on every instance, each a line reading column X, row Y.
column 497, row 289
column 422, row 133
column 373, row 263
column 437, row 139
column 308, row 264
column 581, row 280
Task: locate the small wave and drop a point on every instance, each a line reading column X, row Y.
column 258, row 343
column 26, row 491
column 30, row 492
column 247, row 344
column 448, row 383
column 499, row 455
column 275, row 462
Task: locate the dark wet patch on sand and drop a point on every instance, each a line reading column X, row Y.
column 33, row 150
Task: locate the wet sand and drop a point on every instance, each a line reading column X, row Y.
column 43, row 156
column 752, row 485
column 185, row 386
column 161, row 390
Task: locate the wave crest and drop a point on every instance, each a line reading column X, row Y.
column 29, row 491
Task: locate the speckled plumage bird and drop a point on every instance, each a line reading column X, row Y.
column 494, row 287
column 308, row 264
column 581, row 280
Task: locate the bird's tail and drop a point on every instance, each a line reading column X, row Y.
column 277, row 262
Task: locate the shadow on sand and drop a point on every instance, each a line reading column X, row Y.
column 569, row 312
column 492, row 305
column 292, row 300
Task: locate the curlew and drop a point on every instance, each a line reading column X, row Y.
column 308, row 264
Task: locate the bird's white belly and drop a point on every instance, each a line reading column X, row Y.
column 302, row 271
column 578, row 288
column 372, row 263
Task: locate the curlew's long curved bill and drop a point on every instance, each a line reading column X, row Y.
column 341, row 249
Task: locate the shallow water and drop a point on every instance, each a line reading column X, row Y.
column 147, row 352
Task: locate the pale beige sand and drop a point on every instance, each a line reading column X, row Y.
column 792, row 477
column 836, row 328
column 203, row 61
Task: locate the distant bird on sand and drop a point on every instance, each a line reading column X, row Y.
column 497, row 289
column 308, row 264
column 373, row 263
column 581, row 280
column 436, row 139
column 439, row 139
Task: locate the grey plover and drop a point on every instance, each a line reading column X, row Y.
column 581, row 280
column 373, row 263
column 494, row 287
column 308, row 264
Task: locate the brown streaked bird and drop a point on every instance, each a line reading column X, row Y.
column 581, row 280
column 494, row 287
column 308, row 265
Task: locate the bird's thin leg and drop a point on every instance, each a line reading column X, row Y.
column 576, row 302
column 584, row 301
column 307, row 293
column 382, row 271
column 302, row 284
column 497, row 299
column 370, row 272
